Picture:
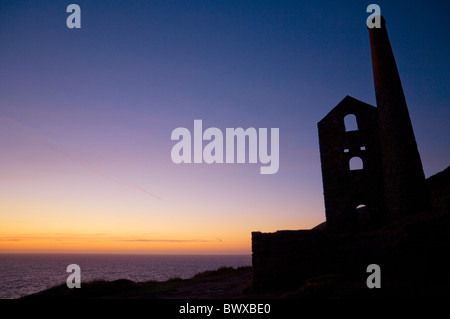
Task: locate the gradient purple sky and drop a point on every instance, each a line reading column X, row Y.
column 86, row 114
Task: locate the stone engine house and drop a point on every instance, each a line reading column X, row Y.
column 371, row 167
column 371, row 172
column 351, row 165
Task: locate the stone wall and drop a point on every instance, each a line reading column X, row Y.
column 286, row 258
column 346, row 189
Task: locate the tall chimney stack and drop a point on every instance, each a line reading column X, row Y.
column 404, row 180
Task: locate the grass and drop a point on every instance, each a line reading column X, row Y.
column 124, row 288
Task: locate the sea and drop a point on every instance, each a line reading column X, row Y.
column 24, row 274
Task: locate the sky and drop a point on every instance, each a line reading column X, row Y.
column 86, row 115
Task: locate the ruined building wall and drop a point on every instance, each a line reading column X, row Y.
column 286, row 258
column 351, row 166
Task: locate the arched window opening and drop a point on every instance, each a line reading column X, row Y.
column 356, row 163
column 350, row 123
column 362, row 214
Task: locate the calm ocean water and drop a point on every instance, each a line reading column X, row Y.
column 23, row 274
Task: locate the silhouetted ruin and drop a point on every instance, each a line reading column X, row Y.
column 375, row 193
column 404, row 180
column 351, row 166
column 389, row 181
